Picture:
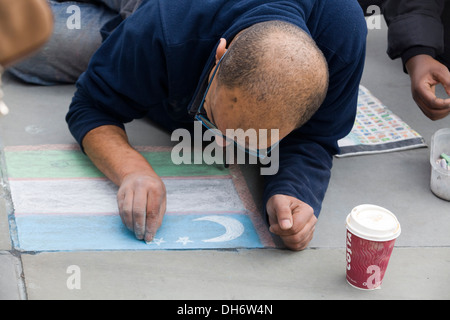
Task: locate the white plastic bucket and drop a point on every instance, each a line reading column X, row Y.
column 440, row 178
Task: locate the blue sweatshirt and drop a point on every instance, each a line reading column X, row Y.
column 153, row 64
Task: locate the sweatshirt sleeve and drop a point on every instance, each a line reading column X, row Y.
column 415, row 27
column 121, row 84
column 306, row 155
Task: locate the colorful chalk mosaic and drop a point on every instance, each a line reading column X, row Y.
column 377, row 129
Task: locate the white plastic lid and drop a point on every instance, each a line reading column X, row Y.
column 373, row 223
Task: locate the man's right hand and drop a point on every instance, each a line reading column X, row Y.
column 142, row 204
column 142, row 194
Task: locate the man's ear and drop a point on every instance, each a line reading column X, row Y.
column 221, row 49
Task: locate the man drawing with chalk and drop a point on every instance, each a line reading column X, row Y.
column 290, row 66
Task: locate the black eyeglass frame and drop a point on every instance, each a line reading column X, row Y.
column 202, row 116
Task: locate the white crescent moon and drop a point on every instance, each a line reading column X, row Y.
column 233, row 228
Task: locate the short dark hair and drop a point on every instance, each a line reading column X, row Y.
column 275, row 62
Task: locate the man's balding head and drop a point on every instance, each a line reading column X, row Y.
column 276, row 76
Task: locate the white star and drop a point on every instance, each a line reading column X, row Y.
column 184, row 240
column 157, row 241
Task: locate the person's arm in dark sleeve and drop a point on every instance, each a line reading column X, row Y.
column 124, row 79
column 416, row 34
column 415, row 27
column 305, row 156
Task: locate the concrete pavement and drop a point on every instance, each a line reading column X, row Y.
column 419, row 267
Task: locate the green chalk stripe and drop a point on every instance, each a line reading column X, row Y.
column 74, row 164
column 445, row 157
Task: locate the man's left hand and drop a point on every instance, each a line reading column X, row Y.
column 292, row 220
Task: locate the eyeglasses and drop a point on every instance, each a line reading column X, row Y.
column 202, row 116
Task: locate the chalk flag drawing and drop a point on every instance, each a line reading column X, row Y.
column 61, row 202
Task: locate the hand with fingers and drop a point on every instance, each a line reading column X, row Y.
column 141, row 197
column 292, row 220
column 426, row 73
column 142, row 204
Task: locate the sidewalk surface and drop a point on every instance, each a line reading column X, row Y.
column 419, row 267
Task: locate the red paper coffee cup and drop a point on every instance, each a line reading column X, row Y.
column 371, row 234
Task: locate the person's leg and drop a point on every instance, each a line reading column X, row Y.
column 67, row 54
